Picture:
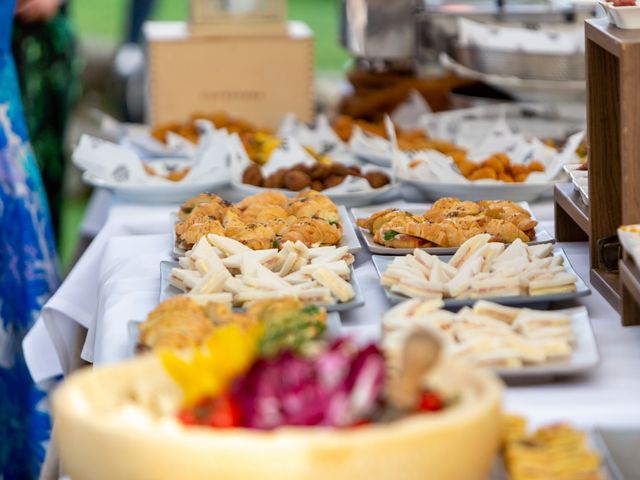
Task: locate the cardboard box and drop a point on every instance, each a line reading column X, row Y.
column 260, row 78
column 238, row 17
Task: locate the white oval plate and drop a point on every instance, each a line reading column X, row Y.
column 170, row 192
column 515, row 192
column 348, row 199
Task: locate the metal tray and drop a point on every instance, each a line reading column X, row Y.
column 381, row 264
column 167, row 290
column 542, row 236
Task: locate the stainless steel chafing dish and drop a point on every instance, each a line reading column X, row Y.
column 418, row 31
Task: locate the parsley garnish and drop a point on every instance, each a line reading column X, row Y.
column 390, row 235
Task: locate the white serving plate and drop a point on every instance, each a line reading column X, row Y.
column 515, row 192
column 381, row 264
column 627, row 18
column 167, row 290
column 584, row 193
column 160, row 192
column 585, row 355
column 580, row 182
column 583, row 358
column 349, row 236
column 542, row 236
column 348, row 199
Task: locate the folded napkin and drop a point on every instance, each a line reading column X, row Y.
column 49, row 346
column 120, row 165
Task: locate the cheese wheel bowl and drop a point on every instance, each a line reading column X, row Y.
column 118, row 422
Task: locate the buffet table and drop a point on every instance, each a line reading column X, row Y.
column 118, row 280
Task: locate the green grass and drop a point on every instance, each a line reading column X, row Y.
column 105, row 19
column 72, row 213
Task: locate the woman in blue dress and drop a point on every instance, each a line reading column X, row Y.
column 28, row 274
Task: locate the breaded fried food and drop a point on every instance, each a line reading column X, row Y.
column 503, row 231
column 509, row 211
column 197, row 228
column 311, row 231
column 448, row 233
column 259, row 212
column 450, row 207
column 390, row 235
column 257, row 236
column 449, row 223
column 176, row 323
column 310, row 203
column 273, row 198
column 259, row 221
column 187, row 207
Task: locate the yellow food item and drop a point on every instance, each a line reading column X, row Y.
column 207, row 371
column 449, row 223
column 262, row 221
column 554, row 452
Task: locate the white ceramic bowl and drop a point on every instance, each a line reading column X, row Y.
column 156, row 192
column 627, row 18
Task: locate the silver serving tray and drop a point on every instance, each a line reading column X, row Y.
column 167, row 290
column 542, row 236
column 349, row 236
column 381, row 264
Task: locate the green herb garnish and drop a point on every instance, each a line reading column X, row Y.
column 390, row 235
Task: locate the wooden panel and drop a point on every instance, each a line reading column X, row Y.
column 571, row 215
column 630, row 133
column 257, row 78
column 630, row 282
column 608, row 285
column 603, row 116
column 613, row 115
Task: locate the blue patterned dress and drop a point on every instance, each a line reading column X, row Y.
column 28, row 275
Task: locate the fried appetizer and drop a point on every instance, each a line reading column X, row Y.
column 311, row 232
column 272, row 198
column 177, row 323
column 261, row 221
column 181, row 323
column 449, row 223
column 325, row 174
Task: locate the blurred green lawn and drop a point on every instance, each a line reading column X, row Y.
column 105, row 18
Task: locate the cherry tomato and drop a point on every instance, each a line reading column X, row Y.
column 224, row 413
column 430, row 402
column 218, row 412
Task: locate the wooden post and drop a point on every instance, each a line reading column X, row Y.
column 613, row 116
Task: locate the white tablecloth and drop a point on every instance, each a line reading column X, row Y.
column 117, row 280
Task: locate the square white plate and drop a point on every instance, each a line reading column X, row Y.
column 382, row 262
column 542, row 236
column 349, row 236
column 167, row 290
